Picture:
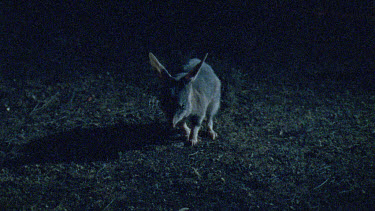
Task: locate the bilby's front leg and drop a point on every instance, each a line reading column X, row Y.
column 186, row 130
column 193, row 138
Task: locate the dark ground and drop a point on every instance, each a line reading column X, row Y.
column 81, row 126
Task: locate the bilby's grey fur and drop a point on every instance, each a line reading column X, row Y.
column 190, row 95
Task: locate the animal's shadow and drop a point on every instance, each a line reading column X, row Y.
column 85, row 145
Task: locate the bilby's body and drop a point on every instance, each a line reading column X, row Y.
column 191, row 95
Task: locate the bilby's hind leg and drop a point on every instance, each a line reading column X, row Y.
column 211, row 111
column 211, row 128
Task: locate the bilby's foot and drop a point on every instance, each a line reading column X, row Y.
column 194, row 141
column 213, row 134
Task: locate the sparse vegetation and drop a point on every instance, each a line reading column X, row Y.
column 81, row 128
column 98, row 143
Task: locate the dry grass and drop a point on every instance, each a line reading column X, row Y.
column 99, row 143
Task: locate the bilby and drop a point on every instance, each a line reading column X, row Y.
column 190, row 96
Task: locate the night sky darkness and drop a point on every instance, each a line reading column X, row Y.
column 60, row 39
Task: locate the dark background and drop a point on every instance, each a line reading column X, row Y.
column 56, row 40
column 81, row 128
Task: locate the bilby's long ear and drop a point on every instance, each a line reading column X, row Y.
column 194, row 72
column 163, row 73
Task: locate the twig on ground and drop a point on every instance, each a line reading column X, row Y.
column 321, row 184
